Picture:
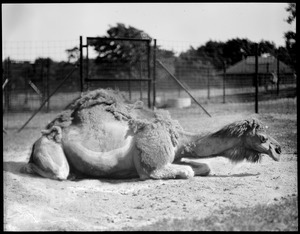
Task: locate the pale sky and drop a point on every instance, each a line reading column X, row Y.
column 176, row 25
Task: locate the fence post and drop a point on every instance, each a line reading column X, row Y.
column 81, row 65
column 87, row 62
column 42, row 98
column 149, row 74
column 48, row 84
column 256, row 78
column 208, row 83
column 224, row 79
column 141, row 76
column 154, row 74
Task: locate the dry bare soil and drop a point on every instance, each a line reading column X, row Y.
column 32, row 203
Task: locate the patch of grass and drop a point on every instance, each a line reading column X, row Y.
column 282, row 216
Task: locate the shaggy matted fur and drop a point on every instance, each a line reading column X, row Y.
column 111, row 100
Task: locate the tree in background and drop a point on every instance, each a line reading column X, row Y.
column 290, row 36
column 231, row 51
column 121, row 59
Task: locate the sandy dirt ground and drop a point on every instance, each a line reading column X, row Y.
column 32, row 203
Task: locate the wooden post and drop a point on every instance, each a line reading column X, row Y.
column 141, row 76
column 87, row 62
column 43, row 83
column 149, row 74
column 256, row 78
column 81, row 65
column 48, row 84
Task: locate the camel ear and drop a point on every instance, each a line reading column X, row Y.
column 255, row 125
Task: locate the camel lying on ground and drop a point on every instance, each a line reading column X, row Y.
column 104, row 136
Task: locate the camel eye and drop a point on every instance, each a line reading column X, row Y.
column 263, row 139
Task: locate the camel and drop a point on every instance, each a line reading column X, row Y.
column 102, row 135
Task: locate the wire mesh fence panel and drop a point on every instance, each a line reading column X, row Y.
column 130, row 66
column 122, row 64
column 33, row 71
column 29, row 51
column 210, row 78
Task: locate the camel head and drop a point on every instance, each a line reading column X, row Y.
column 257, row 140
column 252, row 141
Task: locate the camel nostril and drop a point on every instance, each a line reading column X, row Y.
column 278, row 150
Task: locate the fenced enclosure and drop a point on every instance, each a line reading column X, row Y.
column 131, row 66
column 122, row 63
column 224, row 83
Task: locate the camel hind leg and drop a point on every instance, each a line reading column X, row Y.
column 47, row 158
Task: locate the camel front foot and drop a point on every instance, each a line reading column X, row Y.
column 200, row 169
column 170, row 171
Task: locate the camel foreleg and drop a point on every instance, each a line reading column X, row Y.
column 172, row 171
column 162, row 171
column 200, row 169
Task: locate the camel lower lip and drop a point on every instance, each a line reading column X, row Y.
column 275, row 158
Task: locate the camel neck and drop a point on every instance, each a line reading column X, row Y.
column 200, row 145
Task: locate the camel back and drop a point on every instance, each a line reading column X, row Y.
column 104, row 102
